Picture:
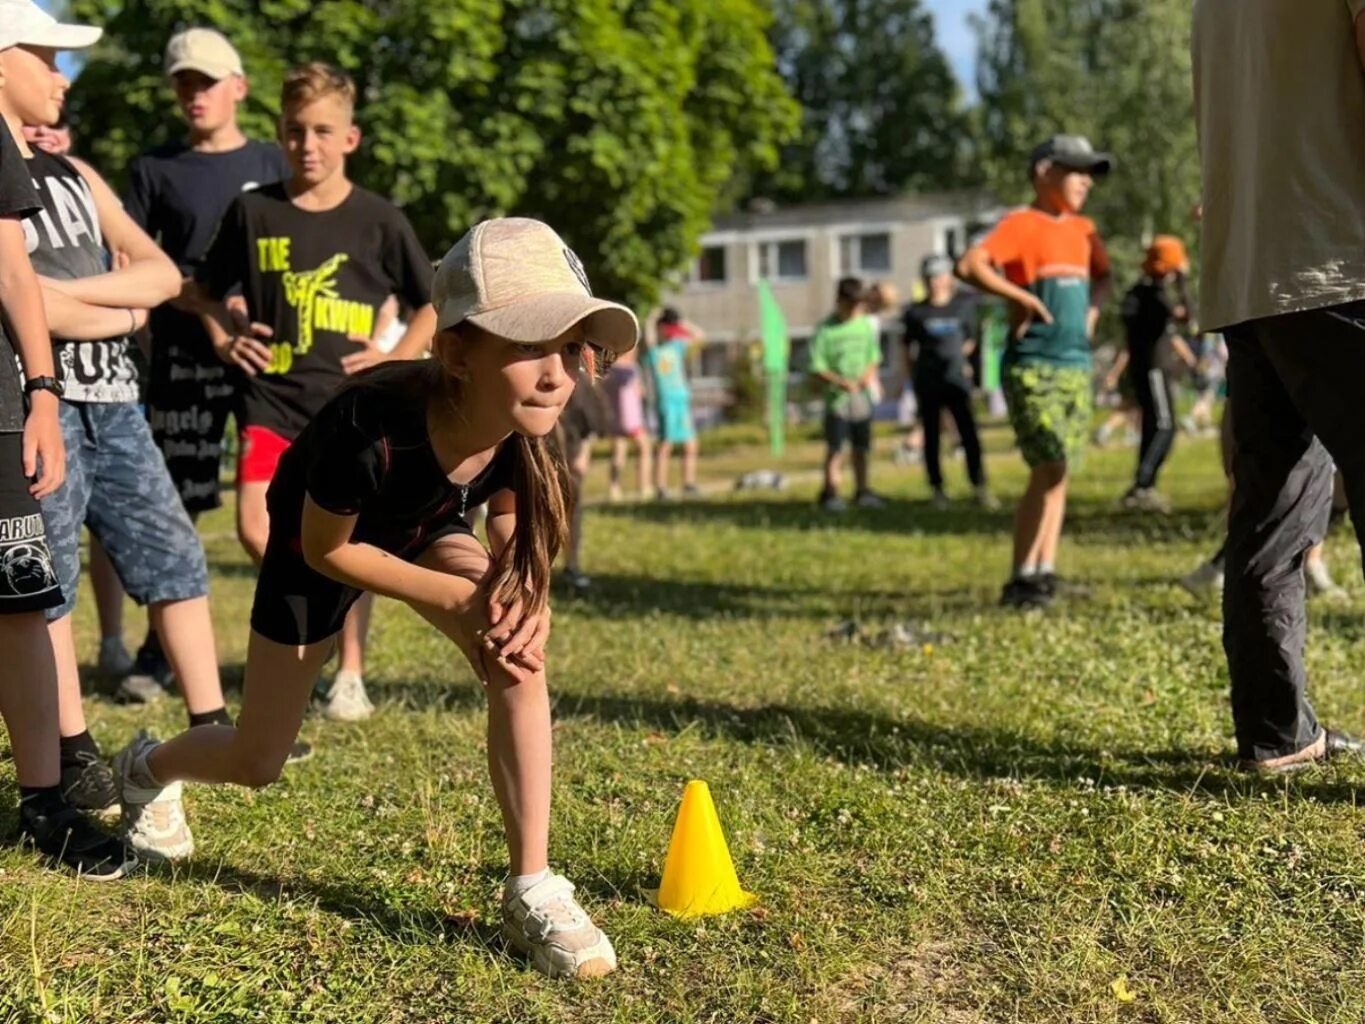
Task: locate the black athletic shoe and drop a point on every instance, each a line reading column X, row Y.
column 1025, row 592
column 88, row 783
column 67, row 837
column 300, row 751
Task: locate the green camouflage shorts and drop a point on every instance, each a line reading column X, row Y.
column 1050, row 409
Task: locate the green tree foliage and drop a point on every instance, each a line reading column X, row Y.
column 623, row 124
column 1117, row 71
column 883, row 111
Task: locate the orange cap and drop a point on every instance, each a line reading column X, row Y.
column 1165, row 255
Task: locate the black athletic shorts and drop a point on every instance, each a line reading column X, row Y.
column 28, row 579
column 839, row 431
column 295, row 604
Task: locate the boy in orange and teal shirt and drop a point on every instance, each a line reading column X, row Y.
column 1050, row 264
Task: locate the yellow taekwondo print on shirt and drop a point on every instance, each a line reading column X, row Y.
column 312, row 294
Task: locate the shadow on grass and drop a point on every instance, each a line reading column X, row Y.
column 1089, row 520
column 856, row 736
column 347, row 901
column 626, row 595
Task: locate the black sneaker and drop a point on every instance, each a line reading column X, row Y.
column 65, row 836
column 88, row 783
column 300, row 751
column 831, row 502
column 1025, row 592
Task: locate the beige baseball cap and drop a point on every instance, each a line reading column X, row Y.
column 203, row 50
column 515, row 278
column 24, row 23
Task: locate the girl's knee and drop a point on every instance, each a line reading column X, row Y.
column 254, row 770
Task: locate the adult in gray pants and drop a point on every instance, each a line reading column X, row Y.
column 1282, row 141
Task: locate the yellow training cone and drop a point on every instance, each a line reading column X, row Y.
column 699, row 877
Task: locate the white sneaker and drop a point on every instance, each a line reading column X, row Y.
column 546, row 923
column 347, row 700
column 153, row 821
column 1207, row 579
column 1320, row 582
column 115, row 661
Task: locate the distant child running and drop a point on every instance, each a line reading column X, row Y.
column 372, row 496
column 1051, row 265
column 1151, row 311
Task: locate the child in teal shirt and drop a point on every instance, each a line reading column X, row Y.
column 666, row 364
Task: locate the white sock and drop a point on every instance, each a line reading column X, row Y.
column 1045, row 569
column 1023, row 572
column 518, row 884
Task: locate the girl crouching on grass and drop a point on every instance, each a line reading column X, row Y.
column 372, row 497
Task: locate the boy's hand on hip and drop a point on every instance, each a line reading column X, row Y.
column 369, row 355
column 1034, row 309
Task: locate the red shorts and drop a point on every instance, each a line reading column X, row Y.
column 261, row 451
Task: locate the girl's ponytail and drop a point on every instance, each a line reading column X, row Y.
column 540, row 482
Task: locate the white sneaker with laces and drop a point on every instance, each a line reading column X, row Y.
column 347, row 700
column 153, row 821
column 546, row 923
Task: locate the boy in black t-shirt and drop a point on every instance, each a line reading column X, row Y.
column 316, row 257
column 33, row 463
column 178, row 194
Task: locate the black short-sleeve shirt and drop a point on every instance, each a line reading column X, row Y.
column 317, row 278
column 936, row 335
column 1147, row 318
column 17, row 201
column 368, row 454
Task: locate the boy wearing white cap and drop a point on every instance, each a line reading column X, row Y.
column 373, row 496
column 32, row 465
column 116, row 482
column 316, row 258
column 177, row 194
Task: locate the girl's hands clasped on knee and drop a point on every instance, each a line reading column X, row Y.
column 517, row 634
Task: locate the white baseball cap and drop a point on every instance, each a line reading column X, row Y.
column 515, row 278
column 203, row 50
column 24, row 23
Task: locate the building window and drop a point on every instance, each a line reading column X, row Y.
column 782, row 261
column 865, row 255
column 954, row 241
column 710, row 266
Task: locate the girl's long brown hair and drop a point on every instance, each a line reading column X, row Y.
column 540, row 479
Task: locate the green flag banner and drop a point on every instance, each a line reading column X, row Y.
column 776, row 354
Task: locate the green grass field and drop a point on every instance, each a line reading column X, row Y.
column 1004, row 826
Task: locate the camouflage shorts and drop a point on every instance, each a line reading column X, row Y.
column 1050, row 409
column 117, row 484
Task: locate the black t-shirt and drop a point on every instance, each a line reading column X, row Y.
column 1147, row 315
column 65, row 243
column 17, row 201
column 317, row 277
column 368, row 453
column 178, row 195
column 935, row 336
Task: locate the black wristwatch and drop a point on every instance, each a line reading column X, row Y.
column 44, row 384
